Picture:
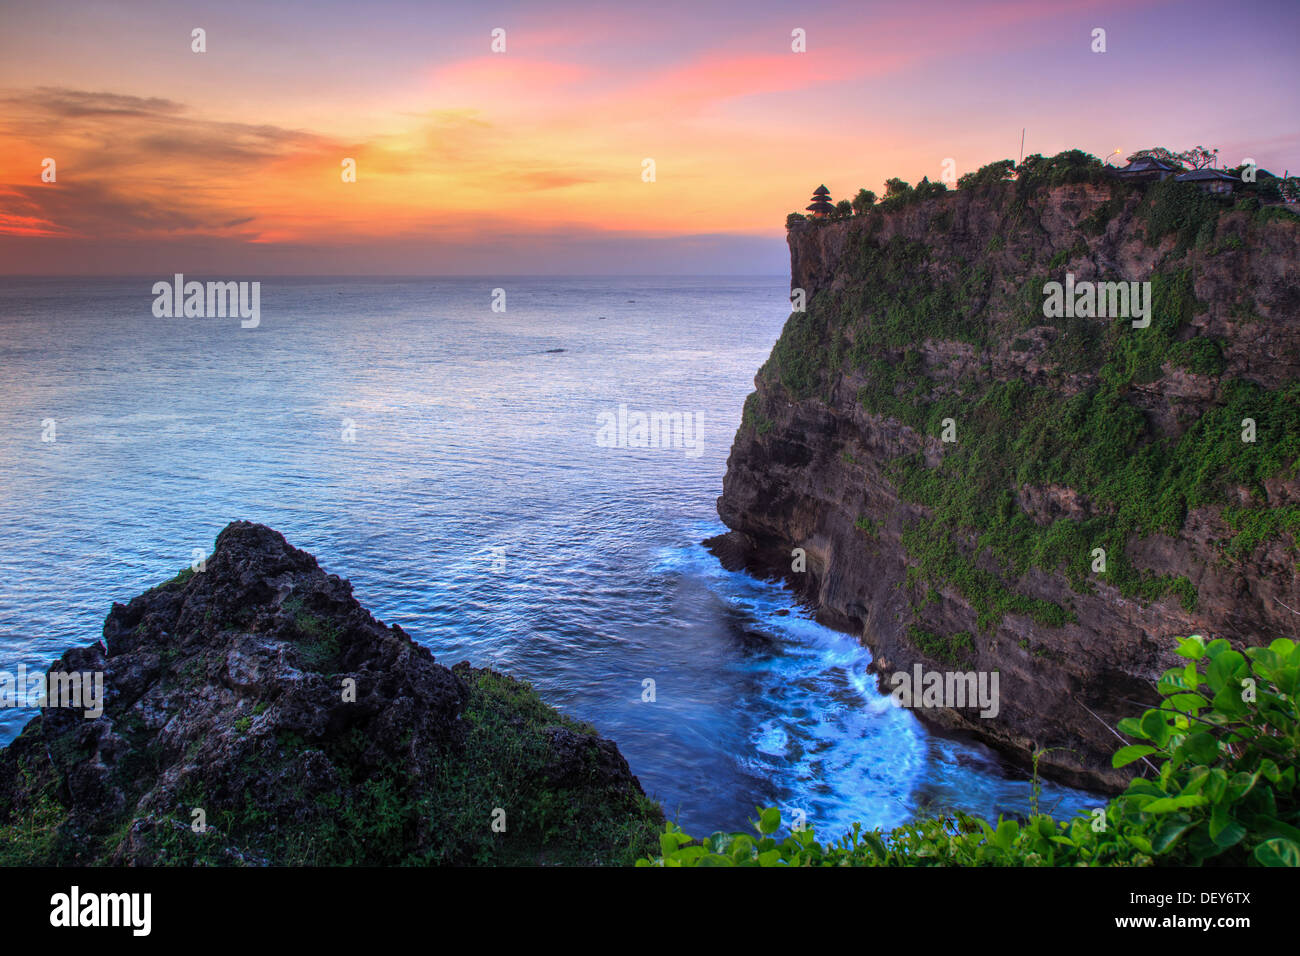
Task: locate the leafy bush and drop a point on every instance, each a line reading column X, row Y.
column 1182, row 209
column 997, row 172
column 897, row 193
column 1225, row 735
column 1037, row 172
column 863, row 201
column 1202, row 355
column 1227, row 738
column 926, row 189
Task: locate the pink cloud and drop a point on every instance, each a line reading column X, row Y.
column 506, row 73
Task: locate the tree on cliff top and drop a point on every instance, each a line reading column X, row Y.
column 1198, row 157
column 863, row 201
column 995, row 172
column 1160, row 153
column 925, row 189
column 896, row 187
column 1068, row 166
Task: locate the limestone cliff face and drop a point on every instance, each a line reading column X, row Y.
column 931, row 312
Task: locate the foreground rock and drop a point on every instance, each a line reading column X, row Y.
column 258, row 698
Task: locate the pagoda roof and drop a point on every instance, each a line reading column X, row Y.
column 1199, row 175
column 1149, row 163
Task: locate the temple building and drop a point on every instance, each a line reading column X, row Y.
column 821, row 205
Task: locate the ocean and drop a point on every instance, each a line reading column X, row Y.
column 474, row 474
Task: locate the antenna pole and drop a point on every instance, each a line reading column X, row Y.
column 1022, row 146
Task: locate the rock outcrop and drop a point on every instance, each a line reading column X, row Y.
column 255, row 713
column 978, row 554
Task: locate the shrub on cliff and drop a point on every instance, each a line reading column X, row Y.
column 897, row 194
column 1222, row 750
column 927, row 190
column 996, row 172
column 1037, row 172
column 1181, row 209
column 863, row 201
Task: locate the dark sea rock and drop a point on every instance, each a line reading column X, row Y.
column 228, row 691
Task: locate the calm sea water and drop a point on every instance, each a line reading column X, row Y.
column 473, row 506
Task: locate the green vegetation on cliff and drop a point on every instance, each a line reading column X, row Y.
column 920, row 327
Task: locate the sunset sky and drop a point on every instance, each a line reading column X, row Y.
column 530, row 161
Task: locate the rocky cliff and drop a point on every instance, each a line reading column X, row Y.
column 255, row 713
column 1099, row 492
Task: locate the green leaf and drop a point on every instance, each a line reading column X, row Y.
column 1141, row 842
column 1200, row 747
column 1126, row 755
column 1224, row 830
column 1006, row 834
column 1216, row 647
column 1192, row 703
column 1155, row 727
column 1169, row 835
column 1131, row 727
column 669, row 842
column 1223, row 669
column 1278, row 852
column 1169, row 804
column 1287, row 679
column 1216, row 785
column 1141, row 788
column 769, row 821
column 1283, row 647
column 742, row 848
column 1227, row 699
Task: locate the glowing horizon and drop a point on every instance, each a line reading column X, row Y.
column 530, row 160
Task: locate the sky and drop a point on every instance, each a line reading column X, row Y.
column 229, row 162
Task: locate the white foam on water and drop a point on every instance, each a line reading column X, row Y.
column 833, row 745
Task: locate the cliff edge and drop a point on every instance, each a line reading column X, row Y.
column 966, row 483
